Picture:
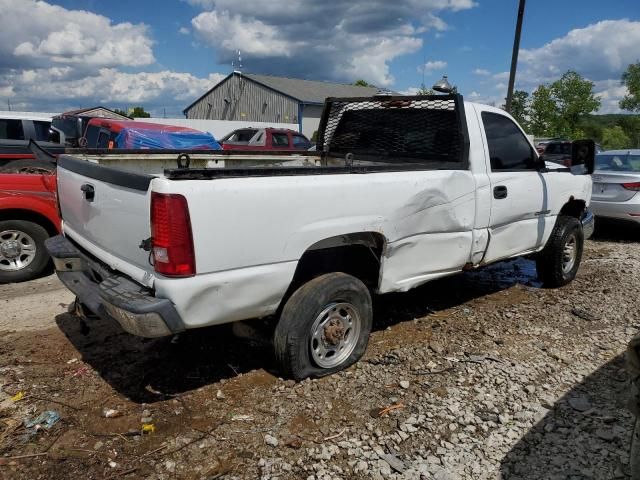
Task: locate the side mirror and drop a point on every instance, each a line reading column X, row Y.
column 583, row 152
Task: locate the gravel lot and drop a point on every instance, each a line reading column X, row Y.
column 482, row 376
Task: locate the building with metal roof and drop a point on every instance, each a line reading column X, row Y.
column 266, row 98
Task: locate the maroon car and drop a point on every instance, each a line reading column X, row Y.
column 265, row 139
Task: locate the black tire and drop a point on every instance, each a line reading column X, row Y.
column 40, row 259
column 551, row 261
column 293, row 334
column 28, row 166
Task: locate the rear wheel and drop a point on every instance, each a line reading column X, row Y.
column 324, row 327
column 22, row 252
column 557, row 264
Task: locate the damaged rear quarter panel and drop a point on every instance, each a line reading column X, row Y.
column 241, row 226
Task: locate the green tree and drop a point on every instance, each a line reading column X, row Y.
column 121, row 112
column 543, row 112
column 631, row 80
column 614, row 137
column 362, row 83
column 138, row 112
column 520, row 108
column 574, row 98
column 423, row 90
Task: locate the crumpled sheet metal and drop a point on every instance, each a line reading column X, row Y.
column 633, row 367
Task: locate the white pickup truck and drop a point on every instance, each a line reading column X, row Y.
column 400, row 191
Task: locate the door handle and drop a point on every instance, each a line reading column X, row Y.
column 89, row 192
column 500, row 192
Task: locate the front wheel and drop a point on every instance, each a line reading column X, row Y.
column 324, row 326
column 22, row 252
column 557, row 264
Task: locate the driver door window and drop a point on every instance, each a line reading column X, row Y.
column 508, row 147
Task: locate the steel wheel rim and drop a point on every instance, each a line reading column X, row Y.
column 17, row 250
column 569, row 253
column 334, row 334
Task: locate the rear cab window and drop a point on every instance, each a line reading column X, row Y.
column 618, row 163
column 11, row 129
column 279, row 140
column 509, row 149
column 42, row 130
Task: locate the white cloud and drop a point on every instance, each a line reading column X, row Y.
column 54, row 59
column 432, row 65
column 610, row 93
column 56, row 87
column 37, row 34
column 320, row 40
column 184, row 31
column 599, row 51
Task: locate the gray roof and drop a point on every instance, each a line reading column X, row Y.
column 311, row 91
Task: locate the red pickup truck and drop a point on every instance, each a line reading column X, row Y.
column 265, row 139
column 28, row 216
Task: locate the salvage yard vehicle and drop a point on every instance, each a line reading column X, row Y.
column 401, row 191
column 616, row 185
column 28, row 216
column 265, row 139
column 17, row 130
column 105, row 133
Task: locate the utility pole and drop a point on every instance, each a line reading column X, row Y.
column 514, row 55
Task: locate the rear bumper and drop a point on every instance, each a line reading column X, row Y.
column 111, row 295
column 588, row 223
column 629, row 210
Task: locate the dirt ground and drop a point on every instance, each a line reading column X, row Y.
column 480, row 375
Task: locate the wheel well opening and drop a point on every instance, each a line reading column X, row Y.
column 356, row 254
column 573, row 208
column 29, row 216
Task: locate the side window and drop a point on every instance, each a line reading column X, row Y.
column 300, row 142
column 279, row 140
column 508, row 147
column 11, row 129
column 42, row 130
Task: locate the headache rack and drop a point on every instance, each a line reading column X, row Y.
column 396, row 129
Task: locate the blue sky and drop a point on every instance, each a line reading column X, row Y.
column 65, row 54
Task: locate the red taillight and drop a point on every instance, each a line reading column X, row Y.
column 632, row 186
column 171, row 237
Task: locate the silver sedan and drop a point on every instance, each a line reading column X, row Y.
column 616, row 185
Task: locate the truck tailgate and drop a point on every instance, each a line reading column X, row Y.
column 106, row 212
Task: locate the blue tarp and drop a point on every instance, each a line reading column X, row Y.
column 142, row 138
